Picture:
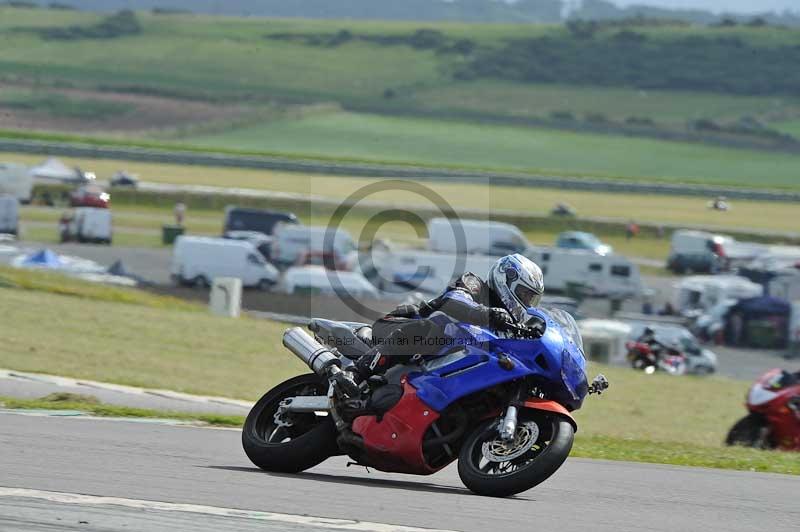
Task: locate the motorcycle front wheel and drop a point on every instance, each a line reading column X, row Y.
column 296, row 443
column 750, row 431
column 489, row 466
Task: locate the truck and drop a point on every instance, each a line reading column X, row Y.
column 86, row 224
column 698, row 252
column 15, row 180
column 197, row 261
column 9, row 215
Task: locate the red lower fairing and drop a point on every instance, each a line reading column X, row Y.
column 394, row 444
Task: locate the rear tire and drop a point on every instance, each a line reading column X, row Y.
column 750, row 431
column 310, row 441
column 554, row 442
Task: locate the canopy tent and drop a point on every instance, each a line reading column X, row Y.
column 759, row 322
column 54, row 169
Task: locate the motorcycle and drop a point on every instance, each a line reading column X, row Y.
column 641, row 356
column 498, row 403
column 774, row 419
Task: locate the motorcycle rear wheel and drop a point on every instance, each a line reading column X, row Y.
column 309, row 441
column 502, row 479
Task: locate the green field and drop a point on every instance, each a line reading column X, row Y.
column 113, row 335
column 232, row 60
column 432, row 142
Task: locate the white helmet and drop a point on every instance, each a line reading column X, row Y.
column 519, row 283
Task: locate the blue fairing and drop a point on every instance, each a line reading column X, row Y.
column 470, row 363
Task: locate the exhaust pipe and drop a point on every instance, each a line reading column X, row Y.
column 318, row 357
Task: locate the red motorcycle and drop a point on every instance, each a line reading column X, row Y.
column 774, row 418
column 643, row 357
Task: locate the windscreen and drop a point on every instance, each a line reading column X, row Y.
column 568, row 324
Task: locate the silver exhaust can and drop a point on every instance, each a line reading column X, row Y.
column 318, row 357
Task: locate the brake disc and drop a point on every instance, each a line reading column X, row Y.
column 525, row 438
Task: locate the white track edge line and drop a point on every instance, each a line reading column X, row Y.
column 315, row 522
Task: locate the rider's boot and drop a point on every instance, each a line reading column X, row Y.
column 349, row 380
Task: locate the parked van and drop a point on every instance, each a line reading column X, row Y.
column 297, row 245
column 247, row 220
column 9, row 215
column 15, row 179
column 698, row 251
column 481, row 236
column 318, row 280
column 86, row 224
column 197, row 261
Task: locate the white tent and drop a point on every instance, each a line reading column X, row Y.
column 54, row 170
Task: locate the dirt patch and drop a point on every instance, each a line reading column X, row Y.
column 135, row 112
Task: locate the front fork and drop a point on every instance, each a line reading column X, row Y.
column 508, row 425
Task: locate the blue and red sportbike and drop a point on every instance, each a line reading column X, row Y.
column 499, row 403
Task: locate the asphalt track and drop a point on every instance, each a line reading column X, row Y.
column 207, row 468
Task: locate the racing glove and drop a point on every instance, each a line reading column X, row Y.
column 500, row 319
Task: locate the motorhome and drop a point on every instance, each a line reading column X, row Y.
column 15, row 180
column 429, row 271
column 87, row 224
column 485, row 237
column 297, row 245
column 199, row 260
column 9, row 215
column 700, row 293
column 318, row 280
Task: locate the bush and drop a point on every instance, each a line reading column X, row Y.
column 562, row 116
column 596, row 118
column 640, row 121
column 120, row 24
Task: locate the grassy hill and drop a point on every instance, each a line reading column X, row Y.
column 381, row 90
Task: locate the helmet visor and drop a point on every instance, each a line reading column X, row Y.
column 526, row 296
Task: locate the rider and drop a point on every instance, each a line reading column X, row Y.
column 514, row 284
column 648, row 337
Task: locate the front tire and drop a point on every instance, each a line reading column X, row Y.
column 309, row 441
column 750, row 431
column 521, row 473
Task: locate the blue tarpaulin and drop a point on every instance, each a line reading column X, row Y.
column 44, row 258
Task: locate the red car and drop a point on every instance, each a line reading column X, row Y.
column 774, row 418
column 90, row 196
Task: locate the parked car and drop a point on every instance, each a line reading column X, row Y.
column 86, row 224
column 90, row 196
column 698, row 251
column 297, row 245
column 319, row 280
column 582, row 240
column 242, row 220
column 124, row 179
column 197, row 261
column 9, row 215
column 699, row 360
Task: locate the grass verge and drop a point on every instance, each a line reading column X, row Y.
column 90, row 405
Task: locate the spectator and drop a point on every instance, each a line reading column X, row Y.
column 180, row 213
column 631, row 230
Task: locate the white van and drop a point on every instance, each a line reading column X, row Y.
column 199, row 260
column 480, row 236
column 302, row 245
column 15, row 179
column 86, row 224
column 318, row 280
column 9, row 215
column 698, row 251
